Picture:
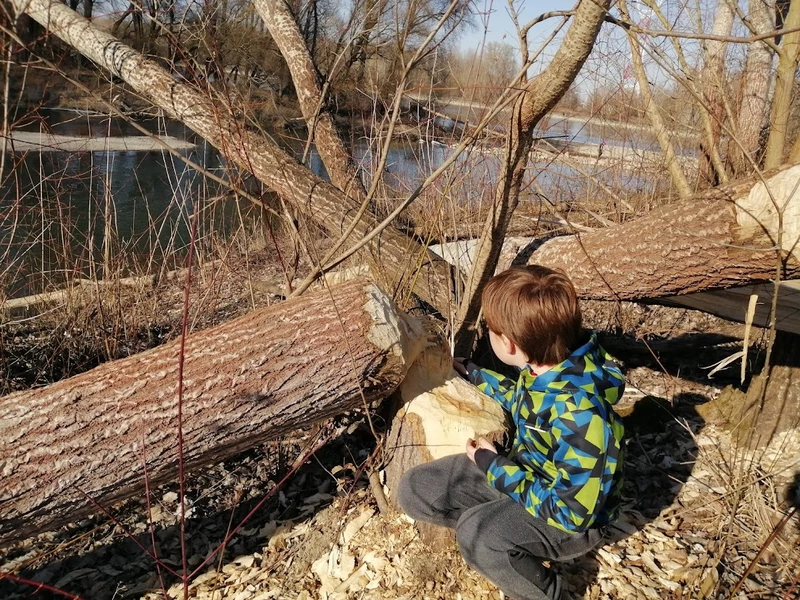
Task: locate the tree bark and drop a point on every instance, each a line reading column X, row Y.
column 252, row 378
column 654, row 114
column 713, row 79
column 788, row 56
column 753, row 112
column 319, row 120
column 539, row 96
column 722, row 238
column 399, row 259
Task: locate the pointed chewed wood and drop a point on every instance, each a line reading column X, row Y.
column 439, row 412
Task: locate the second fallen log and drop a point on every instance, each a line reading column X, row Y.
column 263, row 374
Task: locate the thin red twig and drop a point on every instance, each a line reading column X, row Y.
column 181, row 361
column 38, row 585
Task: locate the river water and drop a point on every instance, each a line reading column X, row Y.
column 74, row 214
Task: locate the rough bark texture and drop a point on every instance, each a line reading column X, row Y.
column 788, row 57
column 401, row 259
column 283, row 29
column 250, row 379
column 539, row 96
column 754, row 106
column 723, row 238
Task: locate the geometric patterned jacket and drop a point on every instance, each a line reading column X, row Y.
column 565, row 464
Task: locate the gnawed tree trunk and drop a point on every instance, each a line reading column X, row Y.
column 539, row 96
column 439, row 412
column 401, row 261
column 722, row 238
column 247, row 380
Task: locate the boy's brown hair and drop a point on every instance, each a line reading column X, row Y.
column 537, row 308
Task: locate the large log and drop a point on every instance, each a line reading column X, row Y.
column 404, row 261
column 244, row 381
column 724, row 238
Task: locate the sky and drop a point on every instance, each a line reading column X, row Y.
column 494, row 22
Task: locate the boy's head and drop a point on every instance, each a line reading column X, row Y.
column 537, row 308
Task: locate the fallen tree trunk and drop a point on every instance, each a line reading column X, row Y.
column 252, row 378
column 403, row 260
column 729, row 236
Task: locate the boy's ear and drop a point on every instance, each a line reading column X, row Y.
column 509, row 345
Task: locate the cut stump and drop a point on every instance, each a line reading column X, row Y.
column 439, row 412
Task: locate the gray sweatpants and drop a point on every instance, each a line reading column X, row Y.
column 496, row 536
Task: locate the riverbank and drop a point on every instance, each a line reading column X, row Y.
column 449, row 105
column 294, row 545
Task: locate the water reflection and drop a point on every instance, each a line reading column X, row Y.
column 66, row 215
column 76, row 214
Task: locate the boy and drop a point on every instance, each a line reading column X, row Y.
column 551, row 497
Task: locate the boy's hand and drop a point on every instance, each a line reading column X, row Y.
column 463, row 366
column 479, row 444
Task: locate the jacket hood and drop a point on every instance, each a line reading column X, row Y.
column 589, row 368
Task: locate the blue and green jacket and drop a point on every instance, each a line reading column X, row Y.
column 565, row 464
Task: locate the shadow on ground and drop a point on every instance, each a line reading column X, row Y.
column 96, row 561
column 660, row 456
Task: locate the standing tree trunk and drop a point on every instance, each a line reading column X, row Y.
column 538, row 97
column 319, row 120
column 711, row 138
column 753, row 113
column 713, row 79
column 788, row 56
column 256, row 377
column 404, row 261
column 654, row 114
